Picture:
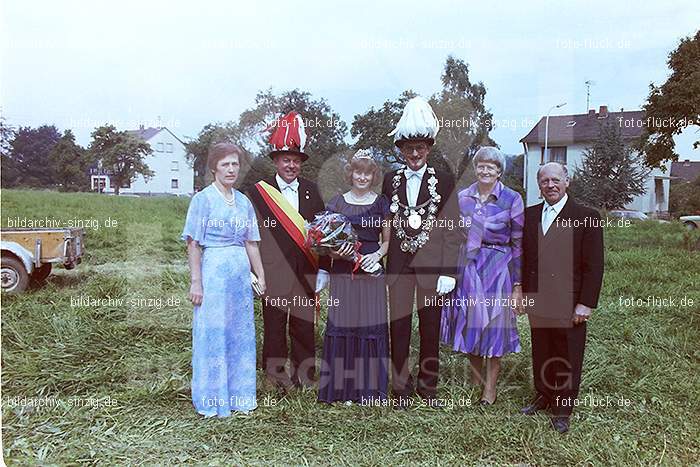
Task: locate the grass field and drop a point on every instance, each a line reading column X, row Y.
column 134, row 360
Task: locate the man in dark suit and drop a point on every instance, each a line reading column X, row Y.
column 422, row 256
column 563, row 275
column 282, row 203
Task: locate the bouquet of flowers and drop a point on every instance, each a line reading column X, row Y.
column 330, row 231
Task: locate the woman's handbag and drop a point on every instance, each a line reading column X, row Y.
column 256, row 285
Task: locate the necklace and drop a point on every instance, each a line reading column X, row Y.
column 413, row 214
column 362, row 199
column 230, row 202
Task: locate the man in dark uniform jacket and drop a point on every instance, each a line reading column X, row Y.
column 422, row 256
column 291, row 274
column 563, row 275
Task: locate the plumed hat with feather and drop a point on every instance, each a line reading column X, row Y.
column 418, row 123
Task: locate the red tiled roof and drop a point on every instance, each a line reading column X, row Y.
column 585, row 128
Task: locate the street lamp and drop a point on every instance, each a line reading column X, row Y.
column 546, row 127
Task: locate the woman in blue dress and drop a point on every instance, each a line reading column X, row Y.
column 355, row 365
column 222, row 234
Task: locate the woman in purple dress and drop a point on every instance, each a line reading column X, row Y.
column 479, row 318
column 355, row 363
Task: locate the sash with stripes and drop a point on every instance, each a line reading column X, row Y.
column 291, row 220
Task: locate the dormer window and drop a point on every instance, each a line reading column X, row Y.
column 554, row 154
column 570, row 124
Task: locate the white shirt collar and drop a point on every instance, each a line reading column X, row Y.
column 420, row 172
column 282, row 184
column 559, row 204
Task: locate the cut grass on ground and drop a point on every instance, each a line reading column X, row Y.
column 138, row 355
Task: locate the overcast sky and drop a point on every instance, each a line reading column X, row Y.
column 80, row 64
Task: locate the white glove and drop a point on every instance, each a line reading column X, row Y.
column 322, row 280
column 370, row 263
column 445, row 285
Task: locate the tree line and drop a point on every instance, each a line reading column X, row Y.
column 42, row 157
column 611, row 174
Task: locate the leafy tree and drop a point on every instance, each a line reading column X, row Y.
column 673, row 105
column 466, row 121
column 685, row 197
column 123, row 153
column 198, row 149
column 29, row 152
column 7, row 134
column 513, row 176
column 68, row 163
column 371, row 128
column 611, row 174
column 9, row 171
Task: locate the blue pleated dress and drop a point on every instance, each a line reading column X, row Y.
column 223, row 327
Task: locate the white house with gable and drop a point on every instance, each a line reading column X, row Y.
column 172, row 173
column 568, row 138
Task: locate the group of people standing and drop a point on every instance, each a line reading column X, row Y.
column 467, row 262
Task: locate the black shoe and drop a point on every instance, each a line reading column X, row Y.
column 561, row 424
column 540, row 403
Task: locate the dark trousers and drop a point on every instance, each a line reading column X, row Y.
column 557, row 359
column 297, row 307
column 401, row 295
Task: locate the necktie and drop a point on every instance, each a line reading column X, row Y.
column 547, row 218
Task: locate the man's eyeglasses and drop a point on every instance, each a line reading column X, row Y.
column 409, row 148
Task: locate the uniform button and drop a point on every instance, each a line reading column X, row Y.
column 552, row 275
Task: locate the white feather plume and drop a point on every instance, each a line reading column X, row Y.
column 417, row 120
column 302, row 132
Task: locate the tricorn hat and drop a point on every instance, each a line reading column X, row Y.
column 288, row 136
column 418, row 123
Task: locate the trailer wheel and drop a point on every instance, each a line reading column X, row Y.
column 41, row 273
column 13, row 276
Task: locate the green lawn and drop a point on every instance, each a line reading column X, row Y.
column 135, row 358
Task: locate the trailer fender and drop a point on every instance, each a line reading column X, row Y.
column 20, row 252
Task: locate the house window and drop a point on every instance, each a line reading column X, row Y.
column 169, row 147
column 99, row 183
column 554, row 154
column 174, row 166
column 173, row 183
column 159, row 147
